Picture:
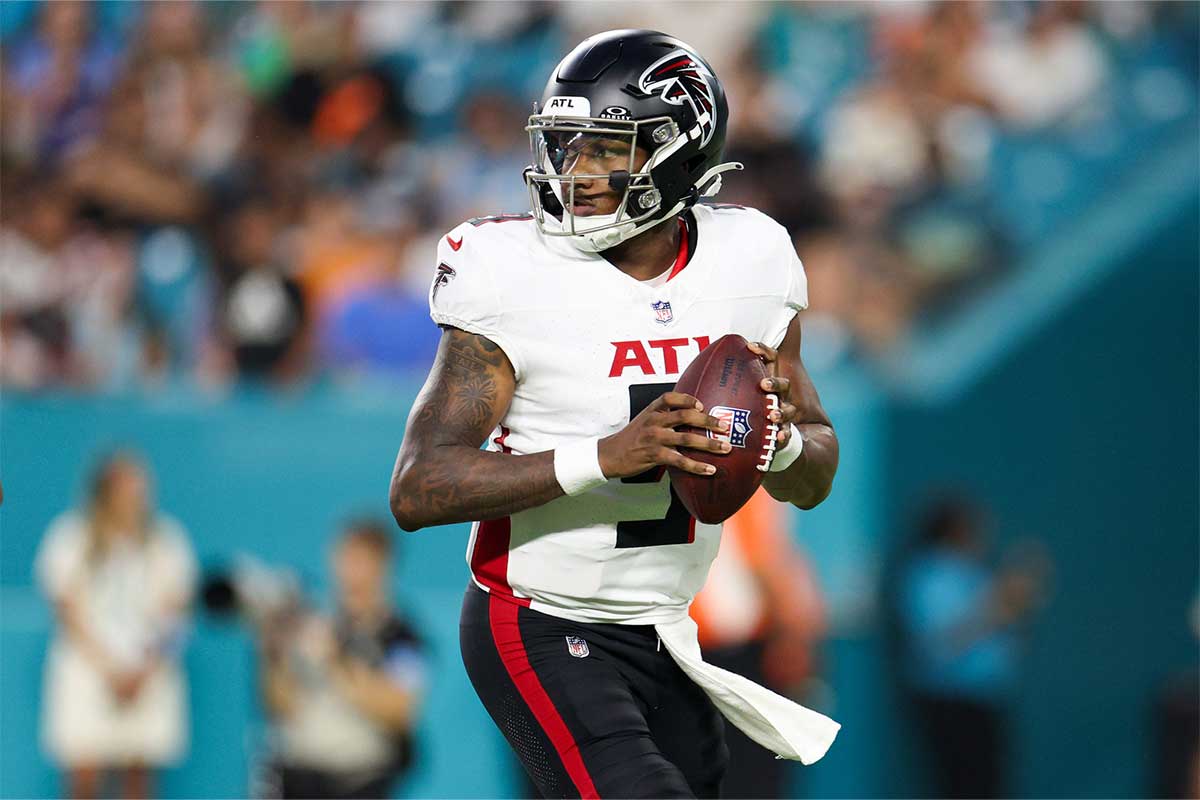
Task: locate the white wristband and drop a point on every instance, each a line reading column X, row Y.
column 787, row 456
column 577, row 466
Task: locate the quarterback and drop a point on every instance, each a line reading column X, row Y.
column 564, row 331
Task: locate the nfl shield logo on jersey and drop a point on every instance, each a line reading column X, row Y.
column 577, row 647
column 662, row 311
column 738, row 421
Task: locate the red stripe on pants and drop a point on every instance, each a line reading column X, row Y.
column 502, row 615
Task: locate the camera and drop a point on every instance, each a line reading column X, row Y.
column 252, row 591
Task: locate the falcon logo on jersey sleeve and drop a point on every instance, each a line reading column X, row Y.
column 738, row 421
column 677, row 79
column 445, row 273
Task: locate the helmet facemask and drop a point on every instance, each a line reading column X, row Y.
column 559, row 144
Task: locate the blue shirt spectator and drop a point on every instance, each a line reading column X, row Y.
column 385, row 328
column 959, row 614
column 954, row 648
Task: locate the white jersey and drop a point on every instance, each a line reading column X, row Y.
column 591, row 347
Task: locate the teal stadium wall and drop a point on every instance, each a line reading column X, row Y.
column 1086, row 436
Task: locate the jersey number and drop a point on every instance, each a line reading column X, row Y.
column 677, row 526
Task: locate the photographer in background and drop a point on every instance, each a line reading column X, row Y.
column 343, row 692
column 120, row 577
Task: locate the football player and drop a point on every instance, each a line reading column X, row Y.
column 564, row 332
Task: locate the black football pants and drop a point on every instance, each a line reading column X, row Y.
column 609, row 714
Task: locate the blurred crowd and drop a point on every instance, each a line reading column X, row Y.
column 217, row 191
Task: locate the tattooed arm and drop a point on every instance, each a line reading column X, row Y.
column 441, row 475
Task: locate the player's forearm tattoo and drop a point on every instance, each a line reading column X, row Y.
column 463, row 397
column 441, row 476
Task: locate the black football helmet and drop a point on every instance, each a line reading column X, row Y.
column 615, row 92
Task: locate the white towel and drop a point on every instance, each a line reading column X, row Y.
column 783, row 727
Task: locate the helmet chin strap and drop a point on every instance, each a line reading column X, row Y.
column 596, row 241
column 710, row 182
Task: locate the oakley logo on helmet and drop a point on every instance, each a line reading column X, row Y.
column 679, row 78
column 615, row 112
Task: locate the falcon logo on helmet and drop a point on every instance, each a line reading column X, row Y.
column 678, row 78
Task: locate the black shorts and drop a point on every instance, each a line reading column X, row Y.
column 591, row 710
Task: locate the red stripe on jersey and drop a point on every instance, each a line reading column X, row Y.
column 691, row 529
column 489, row 555
column 506, row 633
column 681, row 258
column 489, row 558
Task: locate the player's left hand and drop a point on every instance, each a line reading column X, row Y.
column 780, row 387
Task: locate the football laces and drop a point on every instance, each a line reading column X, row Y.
column 768, row 454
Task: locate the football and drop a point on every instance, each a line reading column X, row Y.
column 725, row 377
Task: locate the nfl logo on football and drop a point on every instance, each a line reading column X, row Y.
column 662, row 312
column 577, row 647
column 738, row 420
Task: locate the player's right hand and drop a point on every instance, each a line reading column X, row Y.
column 650, row 439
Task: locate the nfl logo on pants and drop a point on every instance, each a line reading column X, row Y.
column 577, row 647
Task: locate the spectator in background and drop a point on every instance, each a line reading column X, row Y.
column 120, row 577
column 383, row 327
column 35, row 336
column 862, row 295
column 262, row 319
column 760, row 615
column 343, row 692
column 197, row 112
column 351, row 222
column 480, row 171
column 120, row 174
column 875, row 152
column 1038, row 73
column 960, row 617
column 768, row 147
column 57, row 79
column 67, row 288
